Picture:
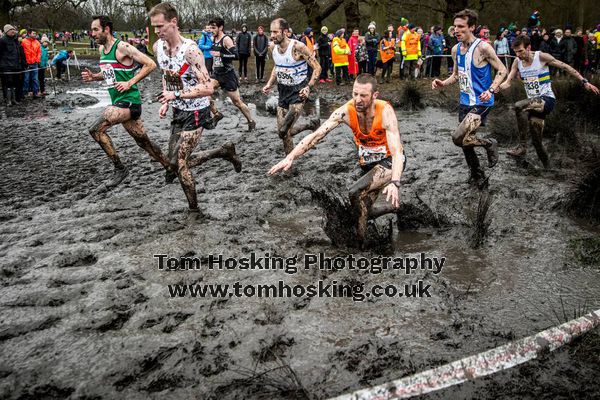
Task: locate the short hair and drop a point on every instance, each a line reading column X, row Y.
column 521, row 40
column 104, row 22
column 218, row 21
column 166, row 9
column 468, row 14
column 29, row 30
column 365, row 78
column 283, row 24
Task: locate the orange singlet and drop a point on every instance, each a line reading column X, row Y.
column 373, row 146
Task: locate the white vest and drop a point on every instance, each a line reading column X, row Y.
column 177, row 74
column 536, row 78
column 289, row 72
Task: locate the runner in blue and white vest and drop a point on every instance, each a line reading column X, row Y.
column 292, row 60
column 186, row 87
column 533, row 69
column 474, row 60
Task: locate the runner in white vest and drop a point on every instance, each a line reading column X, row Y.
column 186, row 87
column 532, row 67
column 292, row 60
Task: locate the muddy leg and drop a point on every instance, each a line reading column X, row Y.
column 465, row 137
column 136, row 130
column 189, row 139
column 111, row 116
column 217, row 115
column 537, row 128
column 237, row 101
column 364, row 193
column 226, row 152
column 285, row 121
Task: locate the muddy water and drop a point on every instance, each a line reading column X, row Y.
column 80, row 285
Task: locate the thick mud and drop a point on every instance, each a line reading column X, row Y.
column 86, row 313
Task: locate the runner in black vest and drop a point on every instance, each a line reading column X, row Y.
column 224, row 52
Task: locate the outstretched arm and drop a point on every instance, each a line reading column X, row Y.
column 148, row 65
column 553, row 62
column 438, row 83
column 390, row 124
column 514, row 70
column 336, row 118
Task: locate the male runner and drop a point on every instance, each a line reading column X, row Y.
column 291, row 59
column 118, row 61
column 474, row 60
column 224, row 52
column 186, row 87
column 532, row 67
column 380, row 152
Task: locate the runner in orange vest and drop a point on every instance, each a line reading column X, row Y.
column 380, row 153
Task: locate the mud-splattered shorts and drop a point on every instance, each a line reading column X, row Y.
column 549, row 103
column 135, row 110
column 187, row 121
column 482, row 111
column 290, row 94
column 385, row 163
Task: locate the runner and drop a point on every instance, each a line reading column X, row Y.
column 474, row 60
column 224, row 52
column 380, row 151
column 291, row 59
column 117, row 63
column 532, row 68
column 187, row 87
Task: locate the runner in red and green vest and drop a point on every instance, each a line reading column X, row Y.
column 117, row 62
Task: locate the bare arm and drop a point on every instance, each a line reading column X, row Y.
column 302, row 52
column 491, row 57
column 553, row 62
column 514, row 70
column 272, row 79
column 195, row 60
column 148, row 65
column 390, row 124
column 336, row 118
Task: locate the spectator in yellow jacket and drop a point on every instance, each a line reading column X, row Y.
column 411, row 51
column 339, row 57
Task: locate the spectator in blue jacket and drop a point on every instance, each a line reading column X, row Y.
column 43, row 65
column 436, row 46
column 60, row 61
column 205, row 44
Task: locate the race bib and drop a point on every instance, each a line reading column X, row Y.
column 108, row 73
column 172, row 80
column 369, row 155
column 532, row 86
column 463, row 82
column 217, row 62
column 285, row 77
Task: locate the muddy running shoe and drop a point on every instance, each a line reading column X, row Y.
column 170, row 176
column 232, row 156
column 119, row 175
column 492, row 152
column 518, row 151
column 315, row 123
column 217, row 117
column 251, row 126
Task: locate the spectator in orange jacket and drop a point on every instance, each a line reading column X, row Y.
column 33, row 56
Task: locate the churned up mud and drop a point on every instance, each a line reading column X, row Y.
column 86, row 313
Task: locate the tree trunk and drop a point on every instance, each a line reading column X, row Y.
column 379, row 14
column 352, row 14
column 152, row 38
column 452, row 7
column 316, row 15
column 5, row 8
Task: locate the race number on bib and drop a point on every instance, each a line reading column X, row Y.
column 285, row 77
column 108, row 73
column 463, row 81
column 532, row 86
column 217, row 62
column 368, row 155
